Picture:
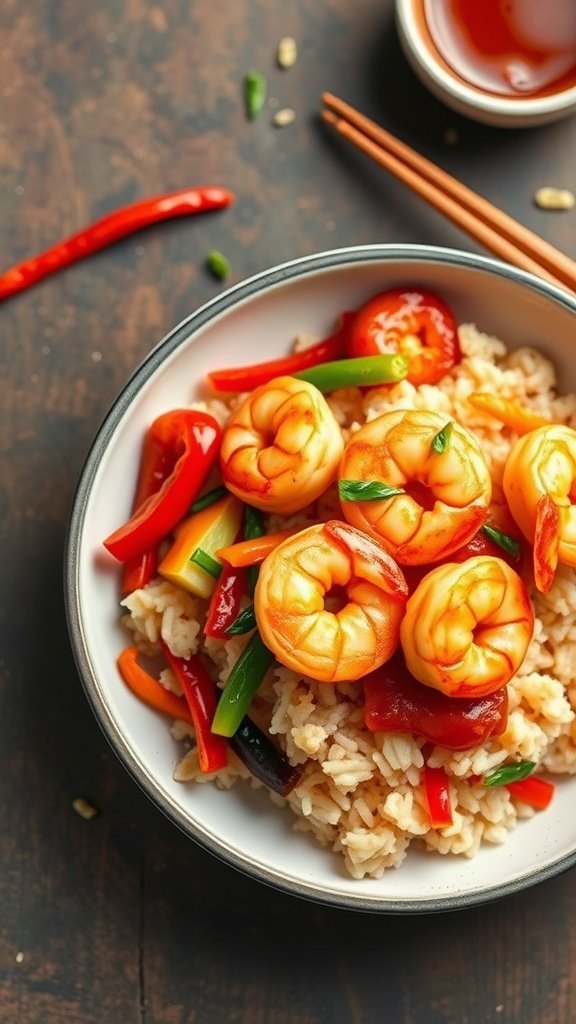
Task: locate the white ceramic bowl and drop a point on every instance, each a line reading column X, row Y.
column 446, row 85
column 252, row 321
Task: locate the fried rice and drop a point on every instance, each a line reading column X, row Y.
column 361, row 793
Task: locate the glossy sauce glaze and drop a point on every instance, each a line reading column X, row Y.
column 507, row 47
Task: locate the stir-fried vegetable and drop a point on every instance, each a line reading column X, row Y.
column 511, row 414
column 225, row 602
column 148, row 689
column 243, row 681
column 534, row 791
column 356, row 373
column 246, row 378
column 182, row 447
column 509, row 773
column 200, row 695
column 252, row 552
column 192, row 561
column 437, row 794
column 263, row 760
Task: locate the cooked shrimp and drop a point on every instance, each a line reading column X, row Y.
column 281, row 447
column 445, row 493
column 294, row 621
column 540, row 487
column 467, row 627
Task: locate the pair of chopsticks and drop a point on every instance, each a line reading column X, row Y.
column 494, row 229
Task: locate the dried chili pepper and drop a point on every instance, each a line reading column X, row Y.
column 183, row 445
column 110, row 229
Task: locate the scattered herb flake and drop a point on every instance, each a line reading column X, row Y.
column 509, row 773
column 206, row 562
column 218, row 264
column 442, row 439
column 243, row 622
column 254, row 93
column 366, row 490
column 210, row 498
column 503, row 540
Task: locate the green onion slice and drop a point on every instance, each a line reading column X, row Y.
column 218, row 264
column 509, row 773
column 503, row 540
column 206, row 562
column 243, row 622
column 366, row 490
column 210, row 498
column 254, row 93
column 253, row 527
column 442, row 439
column 362, row 372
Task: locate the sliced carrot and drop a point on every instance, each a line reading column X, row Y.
column 511, row 414
column 150, row 690
column 255, row 550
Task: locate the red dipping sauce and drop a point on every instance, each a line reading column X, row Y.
column 511, row 48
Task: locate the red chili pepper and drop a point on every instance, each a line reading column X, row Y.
column 415, row 323
column 397, row 702
column 246, row 378
column 183, row 446
column 225, row 602
column 534, row 791
column 200, row 693
column 437, row 793
column 109, row 229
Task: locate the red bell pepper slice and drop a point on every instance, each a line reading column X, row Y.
column 225, row 602
column 413, row 322
column 200, row 694
column 183, row 445
column 246, row 378
column 534, row 791
column 437, row 794
column 139, row 571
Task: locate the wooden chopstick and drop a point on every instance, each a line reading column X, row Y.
column 494, row 229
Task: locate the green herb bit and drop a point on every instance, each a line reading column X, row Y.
column 243, row 622
column 210, row 498
column 254, row 93
column 503, row 540
column 363, row 372
column 206, row 562
column 366, row 490
column 218, row 264
column 509, row 773
column 442, row 439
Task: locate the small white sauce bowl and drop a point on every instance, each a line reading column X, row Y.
column 437, row 75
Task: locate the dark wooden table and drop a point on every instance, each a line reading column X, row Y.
column 122, row 919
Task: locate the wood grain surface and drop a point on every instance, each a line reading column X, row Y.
column 122, row 920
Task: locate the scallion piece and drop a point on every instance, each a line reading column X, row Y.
column 509, row 773
column 218, row 264
column 206, row 562
column 210, row 498
column 254, row 93
column 243, row 623
column 356, row 373
column 243, row 681
column 366, row 490
column 441, row 440
column 503, row 540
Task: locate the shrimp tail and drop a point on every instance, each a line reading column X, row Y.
column 546, row 542
column 370, row 561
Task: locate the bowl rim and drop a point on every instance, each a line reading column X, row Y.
column 450, row 83
column 252, row 286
